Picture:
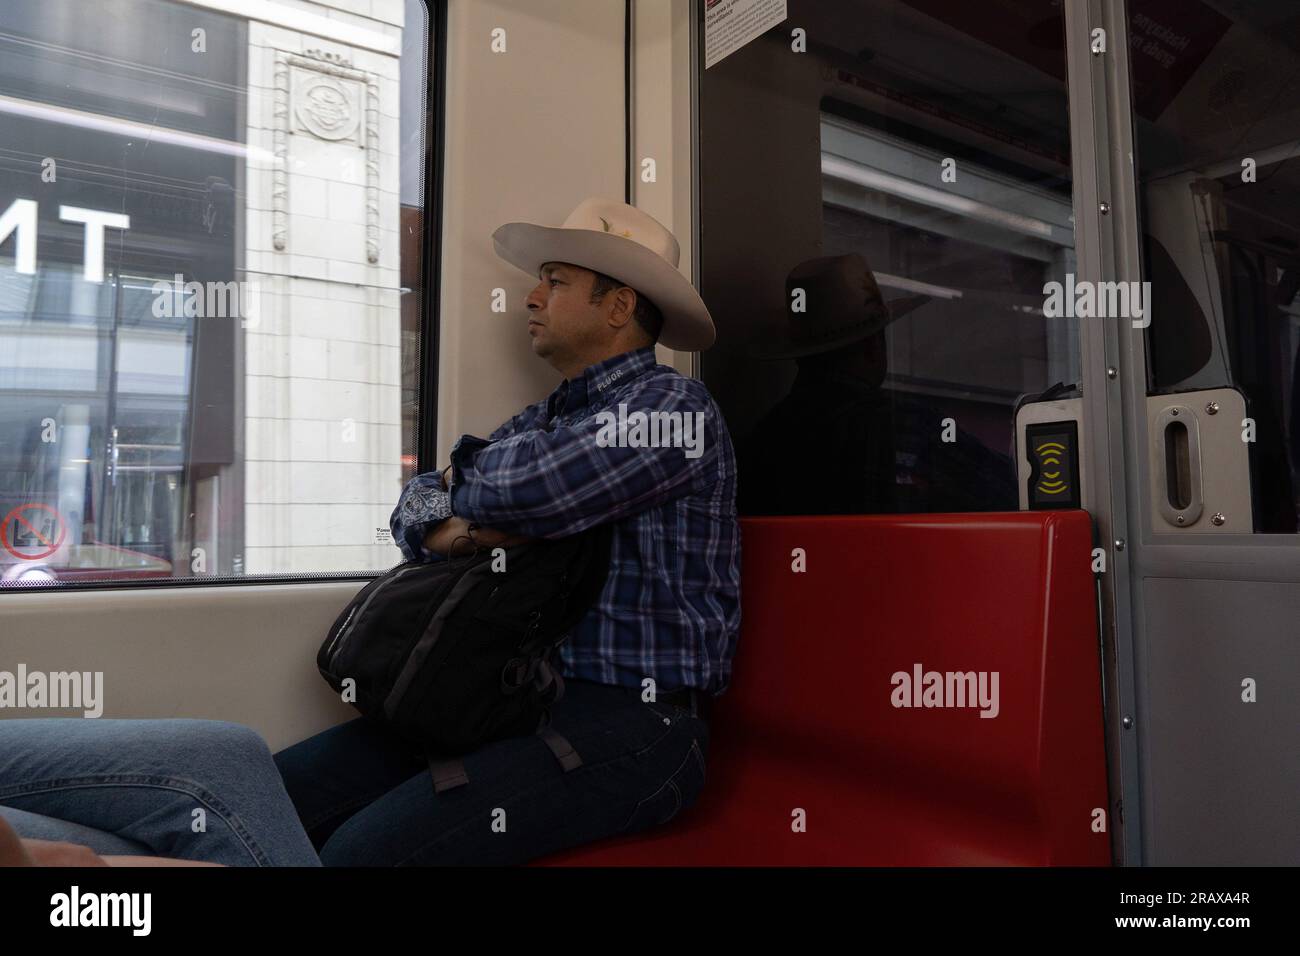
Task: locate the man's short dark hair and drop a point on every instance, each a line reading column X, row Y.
column 646, row 313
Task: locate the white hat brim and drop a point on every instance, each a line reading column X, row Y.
column 688, row 327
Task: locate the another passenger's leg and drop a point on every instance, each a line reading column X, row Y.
column 333, row 775
column 188, row 789
column 642, row 763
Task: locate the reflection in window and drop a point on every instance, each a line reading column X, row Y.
column 880, row 310
column 63, row 297
column 1216, row 102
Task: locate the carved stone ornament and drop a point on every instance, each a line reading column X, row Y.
column 325, row 105
column 327, row 108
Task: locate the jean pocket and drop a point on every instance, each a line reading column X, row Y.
column 680, row 790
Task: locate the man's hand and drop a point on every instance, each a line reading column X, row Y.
column 452, row 537
column 15, row 851
column 50, row 853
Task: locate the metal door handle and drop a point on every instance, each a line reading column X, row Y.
column 1177, row 463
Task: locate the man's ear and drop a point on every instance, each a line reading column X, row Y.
column 623, row 305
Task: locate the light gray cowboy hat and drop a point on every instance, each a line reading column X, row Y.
column 842, row 305
column 626, row 244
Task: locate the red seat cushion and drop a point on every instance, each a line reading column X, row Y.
column 809, row 721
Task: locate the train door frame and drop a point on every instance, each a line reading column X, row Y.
column 1093, row 83
column 1148, row 782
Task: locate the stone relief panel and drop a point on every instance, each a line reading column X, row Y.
column 321, row 95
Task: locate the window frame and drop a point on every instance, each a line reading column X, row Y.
column 434, row 124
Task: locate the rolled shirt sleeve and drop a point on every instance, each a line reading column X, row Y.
column 423, row 504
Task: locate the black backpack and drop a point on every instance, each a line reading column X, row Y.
column 451, row 655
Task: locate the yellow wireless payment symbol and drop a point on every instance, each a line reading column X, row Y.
column 1051, row 480
column 1051, row 449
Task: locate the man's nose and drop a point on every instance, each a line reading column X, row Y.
column 537, row 298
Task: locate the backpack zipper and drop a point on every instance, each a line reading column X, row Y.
column 351, row 624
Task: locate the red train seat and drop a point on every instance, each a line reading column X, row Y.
column 813, row 726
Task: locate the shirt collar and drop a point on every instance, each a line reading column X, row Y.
column 600, row 381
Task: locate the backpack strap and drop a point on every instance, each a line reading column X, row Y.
column 449, row 772
column 545, row 677
column 563, row 750
column 560, row 746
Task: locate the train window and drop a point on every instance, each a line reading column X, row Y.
column 883, row 200
column 211, row 286
column 1216, row 107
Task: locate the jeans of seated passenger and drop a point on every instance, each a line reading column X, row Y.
column 367, row 799
column 143, row 781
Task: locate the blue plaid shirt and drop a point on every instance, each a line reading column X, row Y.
column 670, row 609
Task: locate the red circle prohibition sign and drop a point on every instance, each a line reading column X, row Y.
column 16, row 515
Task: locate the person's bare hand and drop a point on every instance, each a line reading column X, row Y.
column 492, row 538
column 13, row 852
column 152, row 861
column 452, row 536
column 52, row 853
column 16, row 851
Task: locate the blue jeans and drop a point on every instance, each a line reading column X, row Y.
column 367, row 799
column 134, row 786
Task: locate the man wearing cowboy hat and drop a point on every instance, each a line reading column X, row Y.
column 665, row 625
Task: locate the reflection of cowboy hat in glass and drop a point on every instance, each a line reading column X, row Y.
column 841, row 305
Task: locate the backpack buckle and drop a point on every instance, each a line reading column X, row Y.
column 515, row 674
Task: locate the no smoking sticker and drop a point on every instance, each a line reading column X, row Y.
column 33, row 531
